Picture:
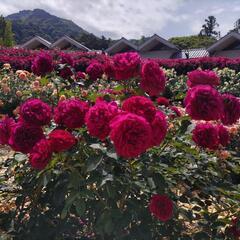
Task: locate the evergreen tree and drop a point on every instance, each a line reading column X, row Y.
column 8, row 35
column 2, row 29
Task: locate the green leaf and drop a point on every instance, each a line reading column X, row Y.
column 93, row 162
column 119, row 88
column 109, row 177
column 44, row 81
column 80, row 206
column 201, row 236
column 68, row 204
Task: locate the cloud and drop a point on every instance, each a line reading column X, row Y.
column 132, row 19
column 217, row 11
column 119, row 17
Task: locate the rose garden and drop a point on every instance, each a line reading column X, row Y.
column 100, row 147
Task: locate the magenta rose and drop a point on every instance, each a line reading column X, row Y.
column 176, row 112
column 206, row 135
column 224, row 137
column 152, row 78
column 231, row 109
column 161, row 207
column 98, row 119
column 126, row 65
column 159, row 128
column 71, row 113
column 200, row 77
column 109, row 68
column 6, row 126
column 95, row 70
column 141, row 106
column 42, row 64
column 24, row 136
column 131, row 135
column 40, row 155
column 204, row 103
column 36, row 112
column 80, row 75
column 67, row 59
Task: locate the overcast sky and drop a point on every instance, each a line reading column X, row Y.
column 134, row 18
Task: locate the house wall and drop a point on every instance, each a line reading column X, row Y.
column 227, row 53
column 158, row 54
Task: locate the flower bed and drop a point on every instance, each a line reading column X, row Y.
column 120, row 149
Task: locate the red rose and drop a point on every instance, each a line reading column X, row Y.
column 24, row 137
column 131, row 135
column 61, row 140
column 41, row 154
column 6, row 126
column 66, row 72
column 231, row 109
column 161, row 206
column 163, row 101
column 95, row 70
column 99, row 117
column 141, row 106
column 176, row 112
column 159, row 128
column 224, row 137
column 204, row 103
column 206, row 135
column 126, row 65
column 36, row 112
column 71, row 113
column 152, row 78
column 200, row 77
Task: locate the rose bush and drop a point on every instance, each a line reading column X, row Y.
column 97, row 156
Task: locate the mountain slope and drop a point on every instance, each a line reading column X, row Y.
column 27, row 24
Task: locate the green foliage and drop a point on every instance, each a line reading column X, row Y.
column 93, row 42
column 8, row 40
column 192, row 41
column 6, row 34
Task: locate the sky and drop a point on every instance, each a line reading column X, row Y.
column 135, row 18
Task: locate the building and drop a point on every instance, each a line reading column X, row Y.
column 227, row 46
column 158, row 47
column 67, row 43
column 154, row 47
column 122, row 45
column 63, row 43
column 36, row 43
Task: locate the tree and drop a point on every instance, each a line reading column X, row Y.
column 93, row 42
column 2, row 29
column 208, row 29
column 192, row 41
column 8, row 35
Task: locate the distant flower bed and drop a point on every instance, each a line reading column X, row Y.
column 119, row 148
column 183, row 66
column 22, row 59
